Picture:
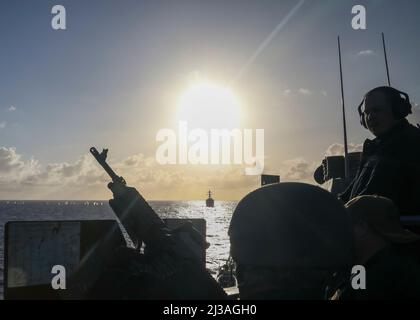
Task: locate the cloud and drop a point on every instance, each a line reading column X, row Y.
column 9, row 160
column 366, row 53
column 2, row 125
column 337, row 149
column 13, row 170
column 11, row 109
column 26, row 177
column 305, row 92
column 324, row 93
column 287, row 92
column 85, row 179
column 298, row 170
column 21, row 178
column 302, row 170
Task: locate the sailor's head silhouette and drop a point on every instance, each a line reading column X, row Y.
column 382, row 108
column 284, row 232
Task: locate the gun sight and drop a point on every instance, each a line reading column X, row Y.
column 101, row 158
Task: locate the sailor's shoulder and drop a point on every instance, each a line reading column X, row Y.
column 412, row 134
column 415, row 130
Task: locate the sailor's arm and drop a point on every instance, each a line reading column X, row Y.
column 345, row 196
column 413, row 175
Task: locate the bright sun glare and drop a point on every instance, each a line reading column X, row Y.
column 209, row 106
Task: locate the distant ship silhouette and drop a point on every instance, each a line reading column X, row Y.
column 210, row 201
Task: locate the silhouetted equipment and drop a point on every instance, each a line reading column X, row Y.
column 346, row 150
column 333, row 168
column 180, row 226
column 32, row 248
column 269, row 179
column 226, row 275
column 172, row 264
column 386, row 59
column 210, row 201
column 319, row 175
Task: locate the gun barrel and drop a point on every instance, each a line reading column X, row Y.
column 101, row 158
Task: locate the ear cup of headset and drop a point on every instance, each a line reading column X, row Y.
column 404, row 107
column 402, row 110
column 361, row 114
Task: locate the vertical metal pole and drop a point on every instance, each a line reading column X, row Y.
column 346, row 150
column 386, row 59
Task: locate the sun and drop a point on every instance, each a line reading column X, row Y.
column 209, row 106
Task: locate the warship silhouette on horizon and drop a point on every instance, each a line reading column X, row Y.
column 210, row 201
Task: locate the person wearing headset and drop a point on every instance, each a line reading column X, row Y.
column 390, row 165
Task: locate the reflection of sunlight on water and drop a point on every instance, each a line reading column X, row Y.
column 217, row 218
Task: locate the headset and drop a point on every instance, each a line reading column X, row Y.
column 401, row 105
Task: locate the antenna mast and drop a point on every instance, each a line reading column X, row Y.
column 386, row 59
column 346, row 149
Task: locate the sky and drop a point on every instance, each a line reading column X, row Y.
column 115, row 76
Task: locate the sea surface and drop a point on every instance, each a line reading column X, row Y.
column 217, row 218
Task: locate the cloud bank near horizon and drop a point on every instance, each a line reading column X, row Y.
column 84, row 179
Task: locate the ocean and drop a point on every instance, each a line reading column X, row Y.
column 217, row 218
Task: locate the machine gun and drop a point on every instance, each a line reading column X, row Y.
column 141, row 221
column 175, row 257
column 171, row 265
